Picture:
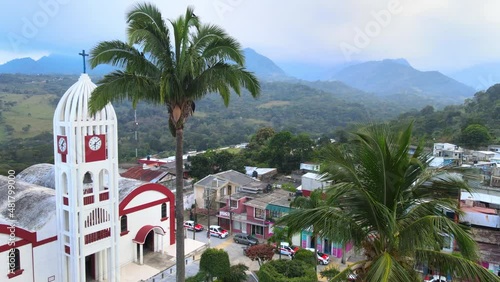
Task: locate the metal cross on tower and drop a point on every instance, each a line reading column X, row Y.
column 83, row 56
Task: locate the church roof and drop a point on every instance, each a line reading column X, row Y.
column 34, row 205
column 39, row 174
column 127, row 185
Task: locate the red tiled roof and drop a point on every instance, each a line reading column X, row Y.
column 139, row 173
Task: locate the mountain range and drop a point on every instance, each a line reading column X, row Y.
column 390, row 77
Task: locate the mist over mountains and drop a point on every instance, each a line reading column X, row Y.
column 381, row 78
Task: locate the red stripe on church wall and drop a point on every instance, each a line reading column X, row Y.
column 170, row 197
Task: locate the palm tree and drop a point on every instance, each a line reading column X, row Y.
column 303, row 206
column 387, row 201
column 172, row 63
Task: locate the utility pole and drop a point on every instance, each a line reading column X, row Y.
column 208, row 216
column 230, row 215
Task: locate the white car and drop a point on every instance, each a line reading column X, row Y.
column 285, row 249
column 322, row 258
column 217, row 231
column 434, row 278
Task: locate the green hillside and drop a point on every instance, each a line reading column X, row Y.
column 26, row 115
column 320, row 109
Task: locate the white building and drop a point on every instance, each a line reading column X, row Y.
column 77, row 219
column 312, row 181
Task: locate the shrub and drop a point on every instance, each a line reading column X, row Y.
column 286, row 271
column 215, row 263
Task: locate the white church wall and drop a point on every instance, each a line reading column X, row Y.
column 136, row 220
column 46, row 260
column 48, row 230
column 127, row 248
column 4, row 239
column 145, row 197
column 26, row 264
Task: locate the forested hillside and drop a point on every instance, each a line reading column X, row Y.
column 314, row 108
column 474, row 124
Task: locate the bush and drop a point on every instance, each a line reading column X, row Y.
column 306, row 256
column 286, row 271
column 215, row 263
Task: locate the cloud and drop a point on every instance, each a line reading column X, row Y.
column 431, row 34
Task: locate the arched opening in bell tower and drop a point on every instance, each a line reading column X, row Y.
column 90, row 267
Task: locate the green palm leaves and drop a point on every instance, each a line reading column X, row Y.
column 388, row 202
column 172, row 63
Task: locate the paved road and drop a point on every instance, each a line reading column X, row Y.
column 234, row 250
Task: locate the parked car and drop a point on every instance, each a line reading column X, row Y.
column 285, row 249
column 217, row 231
column 434, row 278
column 295, row 248
column 245, row 239
column 191, row 225
column 323, row 259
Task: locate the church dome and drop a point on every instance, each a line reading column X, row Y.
column 73, row 106
column 39, row 174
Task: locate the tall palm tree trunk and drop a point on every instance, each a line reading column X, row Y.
column 179, row 208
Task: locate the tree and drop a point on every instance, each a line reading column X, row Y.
column 280, row 234
column 287, row 271
column 303, row 206
column 475, row 136
column 306, row 256
column 171, row 63
column 215, row 263
column 261, row 253
column 237, row 273
column 392, row 204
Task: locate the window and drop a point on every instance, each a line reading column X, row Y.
column 123, row 222
column 164, row 210
column 14, row 264
column 276, row 214
column 234, row 204
column 258, row 230
column 260, row 213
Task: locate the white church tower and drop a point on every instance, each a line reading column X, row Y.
column 86, row 182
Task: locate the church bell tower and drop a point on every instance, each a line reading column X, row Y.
column 86, row 172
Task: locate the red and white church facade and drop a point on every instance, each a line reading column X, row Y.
column 78, row 220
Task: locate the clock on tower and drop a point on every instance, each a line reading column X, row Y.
column 95, row 148
column 62, row 147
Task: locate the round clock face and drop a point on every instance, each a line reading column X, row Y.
column 62, row 144
column 95, row 143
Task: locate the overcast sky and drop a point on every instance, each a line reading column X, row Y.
column 431, row 34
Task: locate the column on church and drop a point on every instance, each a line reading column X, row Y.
column 141, row 258
column 135, row 252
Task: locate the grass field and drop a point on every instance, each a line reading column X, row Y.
column 272, row 104
column 34, row 110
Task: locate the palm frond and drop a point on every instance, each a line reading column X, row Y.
column 119, row 85
column 457, row 266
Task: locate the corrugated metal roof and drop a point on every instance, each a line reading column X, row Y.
column 148, row 175
column 235, row 177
